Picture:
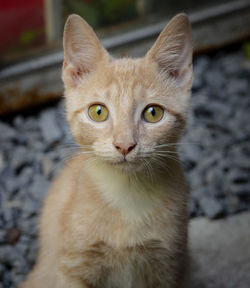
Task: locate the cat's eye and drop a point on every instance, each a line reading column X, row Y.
column 98, row 112
column 153, row 113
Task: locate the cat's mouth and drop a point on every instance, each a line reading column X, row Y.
column 123, row 161
column 127, row 165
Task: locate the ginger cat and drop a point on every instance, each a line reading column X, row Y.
column 116, row 217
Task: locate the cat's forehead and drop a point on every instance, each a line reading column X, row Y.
column 126, row 81
column 125, row 78
column 126, row 69
column 127, row 73
column 127, row 65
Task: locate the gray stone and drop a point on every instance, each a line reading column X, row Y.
column 31, row 124
column 11, row 186
column 237, row 86
column 195, row 178
column 32, row 255
column 237, row 176
column 49, row 128
column 29, row 227
column 39, row 156
column 242, row 162
column 30, row 208
column 53, row 155
column 241, row 189
column 22, row 247
column 6, row 280
column 198, row 80
column 33, row 140
column 232, row 204
column 237, row 132
column 214, row 78
column 201, row 192
column 7, row 133
column 192, row 208
column 232, row 64
column 18, row 122
column 197, row 133
column 201, row 65
column 214, row 178
column 16, row 277
column 47, row 166
column 220, row 110
column 7, row 215
column 238, row 182
column 210, row 159
column 25, row 239
column 39, row 188
column 38, row 146
column 2, row 236
column 21, row 157
column 25, row 176
column 192, row 153
column 2, row 162
column 220, row 252
column 200, row 101
column 8, row 255
column 211, row 207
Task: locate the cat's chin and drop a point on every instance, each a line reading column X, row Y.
column 128, row 167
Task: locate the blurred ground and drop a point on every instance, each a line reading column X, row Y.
column 220, row 252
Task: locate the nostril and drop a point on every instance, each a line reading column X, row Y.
column 130, row 148
column 117, row 147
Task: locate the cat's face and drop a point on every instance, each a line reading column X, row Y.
column 127, row 112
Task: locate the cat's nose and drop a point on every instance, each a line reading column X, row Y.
column 123, row 148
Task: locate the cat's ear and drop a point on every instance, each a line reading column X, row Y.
column 173, row 51
column 82, row 50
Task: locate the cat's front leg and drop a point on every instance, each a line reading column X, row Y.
column 66, row 281
column 57, row 279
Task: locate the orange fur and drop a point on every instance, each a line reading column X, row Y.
column 108, row 222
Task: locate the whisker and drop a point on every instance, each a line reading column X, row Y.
column 165, row 167
column 175, row 144
column 167, row 152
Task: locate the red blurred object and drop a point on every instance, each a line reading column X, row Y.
column 21, row 23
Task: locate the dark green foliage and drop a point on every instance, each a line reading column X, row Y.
column 102, row 12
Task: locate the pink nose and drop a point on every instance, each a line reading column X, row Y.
column 124, row 149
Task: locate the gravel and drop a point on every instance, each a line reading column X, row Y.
column 215, row 150
column 50, row 131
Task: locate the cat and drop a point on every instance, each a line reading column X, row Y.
column 116, row 217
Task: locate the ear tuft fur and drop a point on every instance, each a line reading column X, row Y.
column 82, row 50
column 173, row 50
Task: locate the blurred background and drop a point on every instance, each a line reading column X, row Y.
column 215, row 149
column 37, row 24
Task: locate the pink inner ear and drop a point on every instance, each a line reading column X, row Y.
column 78, row 72
column 73, row 75
column 81, row 70
column 174, row 73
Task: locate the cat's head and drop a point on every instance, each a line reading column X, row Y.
column 127, row 112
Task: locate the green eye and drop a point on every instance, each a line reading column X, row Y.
column 153, row 113
column 98, row 112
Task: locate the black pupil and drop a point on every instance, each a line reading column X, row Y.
column 152, row 111
column 98, row 110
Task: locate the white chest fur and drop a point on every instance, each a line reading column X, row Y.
column 134, row 198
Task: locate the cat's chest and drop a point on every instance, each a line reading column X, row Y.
column 127, row 267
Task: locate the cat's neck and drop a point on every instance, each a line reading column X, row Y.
column 135, row 196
